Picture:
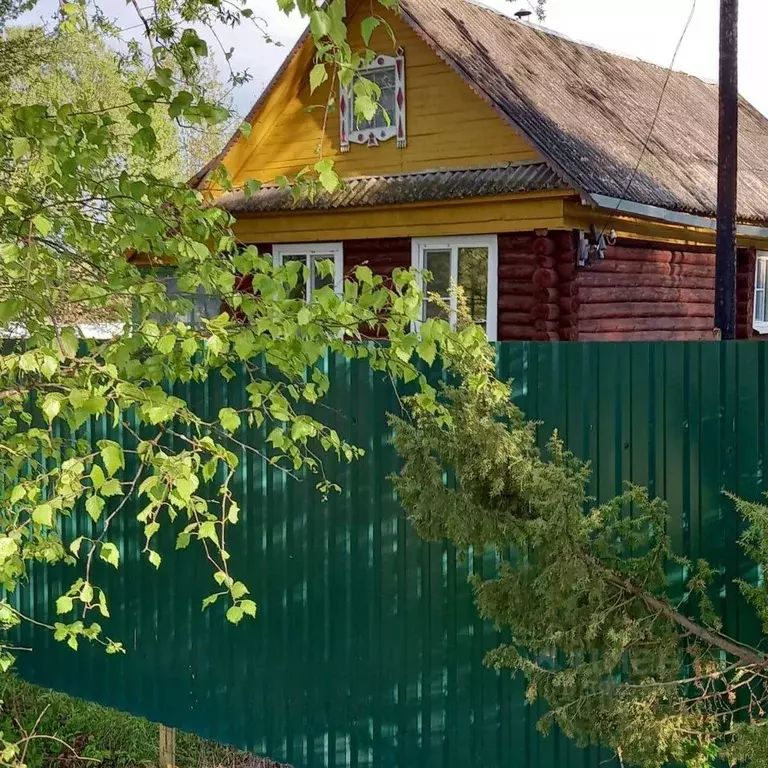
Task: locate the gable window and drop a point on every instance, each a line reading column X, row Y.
column 388, row 73
column 760, row 318
column 469, row 262
column 310, row 254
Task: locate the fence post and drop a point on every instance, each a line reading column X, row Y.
column 167, row 747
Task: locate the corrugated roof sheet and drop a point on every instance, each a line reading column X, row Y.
column 590, row 112
column 405, row 188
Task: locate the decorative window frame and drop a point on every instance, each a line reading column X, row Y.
column 312, row 250
column 373, row 136
column 761, row 326
column 419, row 247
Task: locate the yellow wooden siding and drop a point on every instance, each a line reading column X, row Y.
column 520, row 213
column 448, row 125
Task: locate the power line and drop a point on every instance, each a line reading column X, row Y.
column 647, row 142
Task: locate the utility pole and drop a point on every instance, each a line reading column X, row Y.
column 727, row 175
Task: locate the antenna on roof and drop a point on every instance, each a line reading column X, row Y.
column 522, row 14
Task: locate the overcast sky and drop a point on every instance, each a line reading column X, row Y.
column 647, row 29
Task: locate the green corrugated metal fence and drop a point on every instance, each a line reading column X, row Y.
column 367, row 649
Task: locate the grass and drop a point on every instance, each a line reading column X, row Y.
column 79, row 734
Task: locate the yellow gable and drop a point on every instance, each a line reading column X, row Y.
column 449, row 126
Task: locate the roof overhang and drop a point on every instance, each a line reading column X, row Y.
column 617, row 206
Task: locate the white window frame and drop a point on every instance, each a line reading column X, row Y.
column 761, row 326
column 419, row 246
column 311, row 250
column 349, row 131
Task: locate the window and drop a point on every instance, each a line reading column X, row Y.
column 201, row 305
column 204, row 306
column 388, row 73
column 469, row 262
column 760, row 319
column 309, row 254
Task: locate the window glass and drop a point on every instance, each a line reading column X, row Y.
column 438, row 262
column 299, row 291
column 204, row 306
column 303, row 289
column 760, row 291
column 473, row 278
column 385, row 79
column 318, row 280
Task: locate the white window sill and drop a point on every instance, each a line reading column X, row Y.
column 760, row 327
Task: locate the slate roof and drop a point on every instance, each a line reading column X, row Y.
column 589, row 112
column 405, row 188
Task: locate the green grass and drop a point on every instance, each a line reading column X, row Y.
column 103, row 736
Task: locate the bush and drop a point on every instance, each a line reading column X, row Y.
column 70, row 732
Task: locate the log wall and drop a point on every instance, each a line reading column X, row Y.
column 517, row 265
column 648, row 293
column 745, row 296
column 636, row 293
column 381, row 255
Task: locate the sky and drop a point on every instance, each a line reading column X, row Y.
column 646, row 29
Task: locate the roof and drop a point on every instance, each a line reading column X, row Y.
column 405, row 188
column 590, row 112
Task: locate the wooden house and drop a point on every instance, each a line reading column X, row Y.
column 533, row 170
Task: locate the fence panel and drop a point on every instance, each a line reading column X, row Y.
column 367, row 649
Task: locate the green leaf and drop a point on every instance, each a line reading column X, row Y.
column 94, row 506
column 367, row 28
column 97, row 476
column 103, row 603
column 327, row 176
column 320, row 24
column 238, row 590
column 166, row 344
column 43, row 515
column 74, row 547
column 248, row 607
column 207, row 530
column 64, row 604
column 86, row 593
column 364, row 275
column 9, row 308
column 154, row 558
column 210, row 600
column 18, row 493
column 229, row 419
column 110, row 554
column 317, row 76
column 209, row 469
column 251, row 186
column 112, row 488
column 235, row 614
column 51, row 406
column 246, row 128
column 112, row 455
column 21, row 147
column 42, row 225
column 69, row 342
column 427, row 350
column 182, row 540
